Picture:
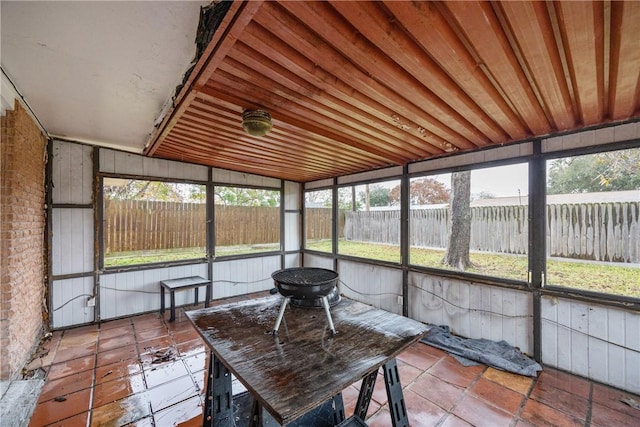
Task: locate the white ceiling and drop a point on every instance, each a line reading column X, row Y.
column 98, row 72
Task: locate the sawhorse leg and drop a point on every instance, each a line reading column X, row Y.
column 397, row 407
column 218, row 410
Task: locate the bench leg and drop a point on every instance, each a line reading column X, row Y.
column 173, row 306
column 161, row 299
column 195, row 291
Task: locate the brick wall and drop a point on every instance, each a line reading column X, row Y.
column 22, row 239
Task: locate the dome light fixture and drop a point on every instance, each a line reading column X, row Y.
column 256, row 122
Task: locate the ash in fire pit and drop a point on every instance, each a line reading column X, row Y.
column 306, row 284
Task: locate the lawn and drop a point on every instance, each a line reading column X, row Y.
column 612, row 278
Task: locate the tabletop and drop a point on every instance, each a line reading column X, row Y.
column 304, row 365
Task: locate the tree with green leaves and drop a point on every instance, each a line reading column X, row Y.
column 593, row 173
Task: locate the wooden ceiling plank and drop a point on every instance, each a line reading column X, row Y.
column 332, row 111
column 530, row 31
column 285, row 27
column 480, row 30
column 292, row 132
column 382, row 31
column 384, row 109
column 310, row 121
column 284, row 77
column 624, row 76
column 581, row 27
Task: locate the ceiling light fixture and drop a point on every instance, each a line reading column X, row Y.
column 256, row 122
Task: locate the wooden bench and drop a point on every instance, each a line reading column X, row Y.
column 173, row 285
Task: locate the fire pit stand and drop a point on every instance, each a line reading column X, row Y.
column 305, row 283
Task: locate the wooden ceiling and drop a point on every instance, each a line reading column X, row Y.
column 355, row 86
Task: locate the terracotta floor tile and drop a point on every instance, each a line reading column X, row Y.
column 437, row 391
column 197, row 362
column 117, row 389
column 524, row 423
column 479, row 413
column 52, row 411
column 349, row 399
column 515, row 382
column 539, row 414
column 561, row 400
column 117, row 370
column 433, row 351
column 122, row 412
column 381, row 418
column 185, row 335
column 452, row 372
column 66, row 385
column 408, row 373
column 116, row 342
column 564, row 381
column 152, row 333
column 185, row 413
column 155, row 344
column 421, row 412
column 453, row 421
column 191, row 347
column 603, row 416
column 145, row 422
column 420, row 359
column 124, row 330
column 162, row 373
column 154, row 357
column 117, row 323
column 613, row 398
column 172, row 392
column 85, row 331
column 148, row 321
column 126, row 353
column 67, row 353
column 79, row 420
column 498, row 395
column 59, row 370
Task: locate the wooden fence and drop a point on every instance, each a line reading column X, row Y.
column 590, row 231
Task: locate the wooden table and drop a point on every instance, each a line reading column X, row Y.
column 303, row 367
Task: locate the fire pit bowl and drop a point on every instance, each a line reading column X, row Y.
column 305, row 282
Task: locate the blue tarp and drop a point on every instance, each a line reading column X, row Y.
column 498, row 354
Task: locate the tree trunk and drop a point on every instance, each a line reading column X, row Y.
column 460, row 234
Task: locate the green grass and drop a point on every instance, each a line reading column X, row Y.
column 611, row 278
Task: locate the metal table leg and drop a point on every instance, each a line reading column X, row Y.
column 395, row 397
column 218, row 410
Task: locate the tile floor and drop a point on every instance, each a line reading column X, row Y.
column 145, row 371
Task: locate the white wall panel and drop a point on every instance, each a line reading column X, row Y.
column 473, row 310
column 243, row 276
column 72, row 240
column 605, row 135
column 374, row 285
column 119, row 162
column 72, row 173
column 134, row 292
column 292, row 195
column 318, row 261
column 292, row 260
column 292, row 231
column 224, row 176
column 69, row 302
column 599, row 342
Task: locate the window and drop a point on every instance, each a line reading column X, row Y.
column 247, row 220
column 593, row 222
column 152, row 221
column 484, row 231
column 318, row 220
column 369, row 218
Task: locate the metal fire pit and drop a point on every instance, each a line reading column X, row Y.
column 306, row 284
